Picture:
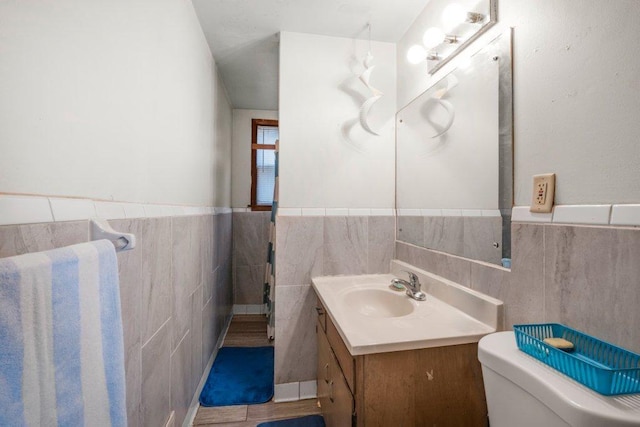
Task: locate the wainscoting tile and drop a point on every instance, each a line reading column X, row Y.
column 452, row 268
column 212, row 224
column 155, row 245
column 226, row 240
column 522, row 288
column 249, row 284
column 345, row 245
column 381, row 243
column 591, row 278
column 522, row 302
column 181, row 391
column 209, row 285
column 265, row 218
column 410, row 254
column 299, row 249
column 625, row 215
column 308, row 390
column 156, row 378
column 433, row 229
column 195, row 332
column 130, row 275
column 289, row 392
column 223, row 299
column 480, row 235
column 452, row 235
column 582, row 214
column 219, row 252
column 71, row 209
column 27, row 238
column 24, row 210
column 133, row 378
column 527, row 242
column 295, row 347
column 411, row 230
column 209, row 329
column 186, row 272
column 207, row 245
column 248, row 238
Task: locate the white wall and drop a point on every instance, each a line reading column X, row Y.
column 111, row 100
column 576, row 107
column 241, row 154
column 326, row 158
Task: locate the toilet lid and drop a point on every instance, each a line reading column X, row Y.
column 570, row 400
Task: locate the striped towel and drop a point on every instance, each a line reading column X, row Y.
column 61, row 347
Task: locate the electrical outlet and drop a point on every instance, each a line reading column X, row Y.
column 543, row 192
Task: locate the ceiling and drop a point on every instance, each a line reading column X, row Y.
column 243, row 35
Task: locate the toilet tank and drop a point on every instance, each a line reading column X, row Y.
column 522, row 391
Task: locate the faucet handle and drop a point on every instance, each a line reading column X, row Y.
column 413, row 278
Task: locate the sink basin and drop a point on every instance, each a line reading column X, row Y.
column 378, row 303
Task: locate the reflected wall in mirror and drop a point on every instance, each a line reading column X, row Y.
column 454, row 186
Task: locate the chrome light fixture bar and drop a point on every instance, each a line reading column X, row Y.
column 472, row 18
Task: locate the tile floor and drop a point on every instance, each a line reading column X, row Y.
column 250, row 331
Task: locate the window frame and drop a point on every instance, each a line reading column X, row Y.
column 254, row 150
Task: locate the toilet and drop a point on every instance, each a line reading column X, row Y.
column 522, row 391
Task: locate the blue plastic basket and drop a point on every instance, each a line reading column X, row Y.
column 603, row 367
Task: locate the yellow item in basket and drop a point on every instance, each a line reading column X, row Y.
column 559, row 343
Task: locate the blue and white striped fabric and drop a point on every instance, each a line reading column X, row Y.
column 61, row 345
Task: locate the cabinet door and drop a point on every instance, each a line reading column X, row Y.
column 334, row 395
column 340, row 397
column 324, row 368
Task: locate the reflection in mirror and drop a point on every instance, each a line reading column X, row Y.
column 454, row 181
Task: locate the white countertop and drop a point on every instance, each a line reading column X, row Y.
column 432, row 323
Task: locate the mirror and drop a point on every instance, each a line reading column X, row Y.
column 454, row 184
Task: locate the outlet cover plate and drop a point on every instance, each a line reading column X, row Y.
column 543, row 193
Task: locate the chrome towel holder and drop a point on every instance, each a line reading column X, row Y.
column 100, row 229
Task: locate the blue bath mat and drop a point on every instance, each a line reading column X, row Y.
column 239, row 376
column 308, row 421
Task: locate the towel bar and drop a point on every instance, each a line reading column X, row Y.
column 100, row 229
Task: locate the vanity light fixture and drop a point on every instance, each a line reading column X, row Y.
column 416, row 54
column 453, row 15
column 475, row 18
column 433, row 37
column 451, row 39
column 467, row 25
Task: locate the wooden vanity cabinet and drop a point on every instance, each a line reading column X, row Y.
column 334, row 394
column 439, row 386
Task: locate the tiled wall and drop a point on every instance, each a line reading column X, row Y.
column 250, row 243
column 308, row 246
column 468, row 236
column 587, row 277
column 176, row 298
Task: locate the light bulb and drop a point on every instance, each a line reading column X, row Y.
column 453, row 15
column 433, row 37
column 416, row 54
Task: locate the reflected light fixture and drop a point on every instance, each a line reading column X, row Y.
column 433, row 37
column 475, row 18
column 454, row 17
column 416, row 54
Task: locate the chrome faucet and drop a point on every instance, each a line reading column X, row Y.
column 412, row 286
